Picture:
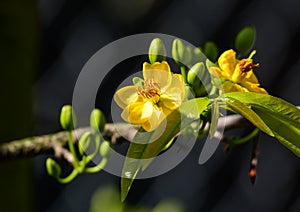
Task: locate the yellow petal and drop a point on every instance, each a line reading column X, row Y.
column 232, row 87
column 227, row 62
column 215, row 71
column 238, row 75
column 177, row 82
column 251, row 77
column 138, row 112
column 152, row 123
column 254, row 88
column 171, row 101
column 157, row 74
column 176, row 90
column 155, row 120
column 126, row 95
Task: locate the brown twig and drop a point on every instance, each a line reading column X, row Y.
column 56, row 143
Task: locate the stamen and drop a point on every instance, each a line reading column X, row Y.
column 151, row 94
column 252, row 54
column 247, row 65
column 151, row 84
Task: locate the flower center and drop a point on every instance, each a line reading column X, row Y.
column 151, row 94
column 247, row 65
column 150, row 91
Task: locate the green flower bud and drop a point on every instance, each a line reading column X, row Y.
column 53, row 168
column 197, row 51
column 245, row 40
column 105, row 149
column 157, row 51
column 188, row 55
column 97, row 120
column 67, row 118
column 84, row 142
column 178, row 51
column 198, row 55
column 197, row 71
column 211, row 51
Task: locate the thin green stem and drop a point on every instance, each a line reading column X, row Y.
column 97, row 168
column 213, row 91
column 69, row 178
column 72, row 149
column 242, row 140
column 183, row 73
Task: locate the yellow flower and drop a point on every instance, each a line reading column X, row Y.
column 147, row 105
column 238, row 74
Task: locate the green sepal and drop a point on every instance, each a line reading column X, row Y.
column 137, row 81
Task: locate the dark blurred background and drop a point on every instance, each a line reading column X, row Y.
column 45, row 43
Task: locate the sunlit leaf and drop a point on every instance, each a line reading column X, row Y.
column 244, row 110
column 280, row 116
column 286, row 130
column 274, row 104
column 139, row 150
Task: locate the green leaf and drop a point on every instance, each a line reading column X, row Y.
column 286, row 130
column 139, row 149
column 211, row 51
column 274, row 104
column 244, row 110
column 132, row 163
column 189, row 111
column 244, row 40
column 280, row 116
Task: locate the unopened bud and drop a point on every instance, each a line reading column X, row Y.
column 157, row 51
column 53, row 168
column 105, row 148
column 66, row 118
column 197, row 71
column 178, row 51
column 97, row 120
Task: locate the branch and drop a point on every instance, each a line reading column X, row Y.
column 56, row 143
